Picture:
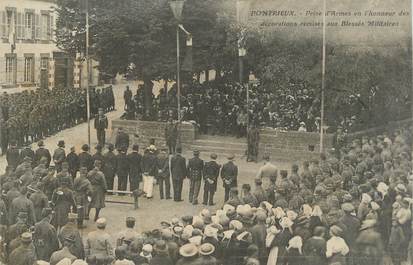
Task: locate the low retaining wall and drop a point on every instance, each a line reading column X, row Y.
column 293, row 145
column 147, row 130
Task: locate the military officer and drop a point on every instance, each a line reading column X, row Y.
column 195, row 171
column 211, row 173
column 82, row 189
column 135, row 167
column 49, row 182
column 98, row 244
column 99, row 187
column 59, row 155
column 101, row 124
column 229, row 175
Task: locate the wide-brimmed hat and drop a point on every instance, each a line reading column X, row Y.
column 206, row 249
column 188, row 250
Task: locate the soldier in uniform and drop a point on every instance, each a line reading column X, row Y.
column 82, row 189
column 99, row 187
column 64, row 253
column 18, row 228
column 178, row 172
column 63, row 201
column 129, row 234
column 229, row 175
column 40, row 201
column 164, row 175
column 101, row 124
column 85, row 159
column 40, row 170
column 135, row 169
column 253, row 141
column 22, row 204
column 13, row 155
column 211, row 173
column 27, row 152
column 49, row 182
column 59, row 155
column 45, row 236
column 42, row 152
column 98, row 244
column 24, row 254
column 109, row 168
column 64, row 175
column 171, row 135
column 73, row 161
column 70, row 230
column 195, row 171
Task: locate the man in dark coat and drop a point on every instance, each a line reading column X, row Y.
column 99, row 155
column 40, row 201
column 164, row 175
column 101, row 124
column 109, row 168
column 349, row 223
column 22, row 204
column 135, row 170
column 64, row 175
column 99, row 187
column 42, row 152
column 314, row 248
column 13, row 155
column 85, row 159
column 171, row 135
column 82, row 189
column 73, row 161
column 24, row 254
column 70, row 230
column 211, row 173
column 63, row 201
column 27, row 152
column 229, row 175
column 45, row 236
column 195, row 171
column 178, row 171
column 122, row 170
column 59, row 155
column 122, row 140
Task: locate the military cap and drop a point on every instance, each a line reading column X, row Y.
column 347, row 207
column 231, row 157
column 214, row 156
column 101, row 223
column 26, row 237
column 40, row 143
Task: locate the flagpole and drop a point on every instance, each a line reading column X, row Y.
column 323, row 72
column 178, row 76
column 88, row 72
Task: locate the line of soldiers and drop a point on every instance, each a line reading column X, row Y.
column 32, row 115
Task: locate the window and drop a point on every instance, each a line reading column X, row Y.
column 29, row 25
column 29, row 69
column 44, row 63
column 10, row 16
column 10, row 70
column 45, row 27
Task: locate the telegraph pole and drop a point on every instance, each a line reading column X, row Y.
column 323, row 73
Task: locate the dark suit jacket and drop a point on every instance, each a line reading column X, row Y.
column 122, row 141
column 135, row 160
column 195, row 168
column 122, row 164
column 86, row 160
column 42, row 152
column 178, row 167
column 230, row 172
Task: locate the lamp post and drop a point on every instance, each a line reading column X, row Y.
column 177, row 7
column 85, row 9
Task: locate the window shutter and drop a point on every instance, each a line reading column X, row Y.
column 20, row 26
column 3, row 24
column 51, row 27
column 37, row 26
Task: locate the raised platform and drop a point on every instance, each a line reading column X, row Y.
column 281, row 145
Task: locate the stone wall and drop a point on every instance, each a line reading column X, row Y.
column 390, row 127
column 141, row 132
column 292, row 145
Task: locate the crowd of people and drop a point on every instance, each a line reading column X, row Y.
column 221, row 107
column 350, row 206
column 31, row 115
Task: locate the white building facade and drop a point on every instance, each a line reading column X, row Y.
column 34, row 60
